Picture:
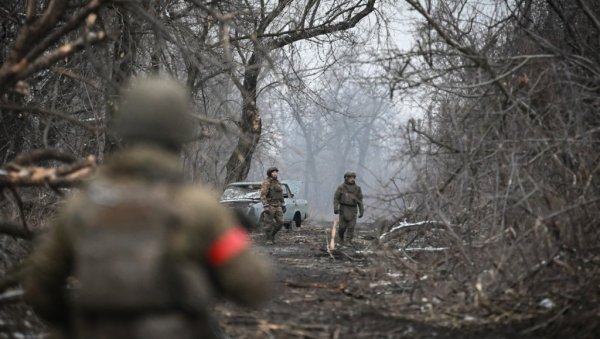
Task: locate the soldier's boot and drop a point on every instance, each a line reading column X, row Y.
column 350, row 239
column 269, row 238
column 341, row 241
column 273, row 232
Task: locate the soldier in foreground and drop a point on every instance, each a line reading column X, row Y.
column 143, row 252
column 271, row 196
column 347, row 198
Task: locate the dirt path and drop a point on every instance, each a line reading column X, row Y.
column 318, row 296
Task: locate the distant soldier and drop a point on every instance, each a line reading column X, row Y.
column 271, row 195
column 143, row 252
column 347, row 198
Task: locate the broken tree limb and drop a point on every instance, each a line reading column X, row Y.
column 426, row 225
column 11, row 296
column 333, row 234
column 62, row 176
column 351, row 258
column 425, row 249
column 327, row 247
column 412, row 226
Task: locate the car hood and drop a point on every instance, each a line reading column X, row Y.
column 226, row 201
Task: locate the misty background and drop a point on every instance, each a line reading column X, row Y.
column 476, row 121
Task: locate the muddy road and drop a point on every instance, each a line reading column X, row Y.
column 348, row 293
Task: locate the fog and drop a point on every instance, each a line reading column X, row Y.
column 338, row 125
column 329, row 111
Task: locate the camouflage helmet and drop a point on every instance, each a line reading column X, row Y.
column 271, row 170
column 349, row 174
column 154, row 110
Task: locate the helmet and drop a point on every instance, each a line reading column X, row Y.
column 154, row 110
column 349, row 174
column 271, row 170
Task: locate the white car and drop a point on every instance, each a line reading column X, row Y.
column 245, row 197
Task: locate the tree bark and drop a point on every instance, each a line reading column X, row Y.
column 250, row 125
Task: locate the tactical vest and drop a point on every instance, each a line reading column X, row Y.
column 275, row 192
column 349, row 195
column 124, row 257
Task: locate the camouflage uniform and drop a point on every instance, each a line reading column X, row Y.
column 346, row 199
column 143, row 253
column 271, row 195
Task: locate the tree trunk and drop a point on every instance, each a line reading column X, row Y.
column 124, row 55
column 250, row 124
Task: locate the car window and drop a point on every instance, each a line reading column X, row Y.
column 295, row 186
column 241, row 192
column 286, row 191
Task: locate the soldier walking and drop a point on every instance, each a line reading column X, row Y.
column 346, row 200
column 271, row 195
column 144, row 253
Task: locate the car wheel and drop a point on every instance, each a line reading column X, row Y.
column 298, row 220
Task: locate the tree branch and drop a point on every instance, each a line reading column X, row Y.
column 323, row 29
column 43, row 111
column 60, row 53
column 73, row 23
column 63, row 176
column 41, row 155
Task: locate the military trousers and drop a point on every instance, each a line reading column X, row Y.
column 273, row 219
column 347, row 222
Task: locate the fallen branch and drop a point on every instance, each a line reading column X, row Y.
column 426, row 249
column 348, row 256
column 327, row 247
column 333, row 234
column 405, row 226
column 287, row 329
column 294, row 284
column 11, row 296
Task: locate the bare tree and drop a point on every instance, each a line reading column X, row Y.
column 266, row 28
column 506, row 147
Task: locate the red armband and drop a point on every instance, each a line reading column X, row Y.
column 226, row 247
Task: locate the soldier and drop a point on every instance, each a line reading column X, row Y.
column 271, row 195
column 143, row 252
column 348, row 196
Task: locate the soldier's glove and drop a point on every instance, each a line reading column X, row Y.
column 336, row 211
column 283, row 208
column 266, row 207
column 360, row 215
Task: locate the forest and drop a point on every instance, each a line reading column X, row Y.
column 472, row 125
